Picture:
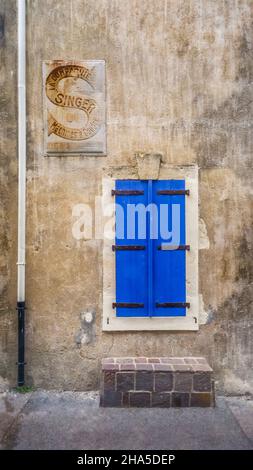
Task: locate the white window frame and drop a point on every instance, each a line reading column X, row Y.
column 190, row 322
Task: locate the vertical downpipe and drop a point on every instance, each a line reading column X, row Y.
column 21, row 8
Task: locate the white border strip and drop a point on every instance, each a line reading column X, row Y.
column 191, row 321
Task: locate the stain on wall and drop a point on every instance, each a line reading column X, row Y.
column 86, row 333
column 1, row 29
column 179, row 79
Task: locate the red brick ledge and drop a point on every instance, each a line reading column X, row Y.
column 174, row 364
column 156, row 382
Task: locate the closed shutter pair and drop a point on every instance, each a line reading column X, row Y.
column 150, row 248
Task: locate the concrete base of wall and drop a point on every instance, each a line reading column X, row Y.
column 156, row 382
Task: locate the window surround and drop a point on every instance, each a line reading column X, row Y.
column 191, row 321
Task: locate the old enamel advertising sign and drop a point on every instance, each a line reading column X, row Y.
column 74, row 107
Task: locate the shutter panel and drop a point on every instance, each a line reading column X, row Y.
column 150, row 265
column 169, row 265
column 130, row 253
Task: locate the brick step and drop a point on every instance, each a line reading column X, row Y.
column 156, row 382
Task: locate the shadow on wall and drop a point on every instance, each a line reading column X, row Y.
column 233, row 337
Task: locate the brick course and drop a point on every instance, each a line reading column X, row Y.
column 180, row 399
column 109, row 381
column 161, row 399
column 156, row 382
column 163, row 381
column 201, row 399
column 202, row 381
column 145, row 380
column 125, row 381
column 183, row 381
column 140, row 399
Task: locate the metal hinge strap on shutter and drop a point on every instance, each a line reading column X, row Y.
column 123, row 192
column 174, row 192
column 128, row 247
column 172, row 305
column 167, row 247
column 127, row 305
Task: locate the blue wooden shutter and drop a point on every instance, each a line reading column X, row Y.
column 169, row 266
column 150, row 280
column 131, row 266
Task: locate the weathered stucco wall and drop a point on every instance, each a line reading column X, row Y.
column 179, row 79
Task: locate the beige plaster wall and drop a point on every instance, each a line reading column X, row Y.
column 179, row 79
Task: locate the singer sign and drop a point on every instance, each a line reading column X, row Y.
column 74, row 94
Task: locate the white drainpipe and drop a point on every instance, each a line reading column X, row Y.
column 21, row 5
